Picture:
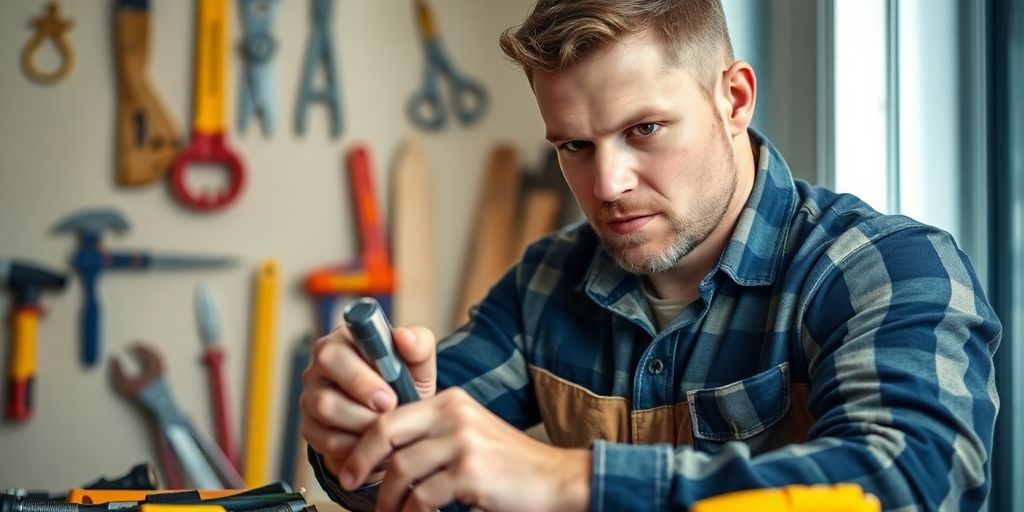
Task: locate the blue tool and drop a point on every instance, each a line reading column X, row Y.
column 426, row 108
column 320, row 51
column 258, row 48
column 372, row 333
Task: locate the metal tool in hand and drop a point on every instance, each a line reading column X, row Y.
column 426, row 107
column 49, row 26
column 90, row 259
column 258, row 92
column 207, row 143
column 320, row 52
column 207, row 467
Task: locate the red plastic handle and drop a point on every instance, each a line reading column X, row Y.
column 214, row 359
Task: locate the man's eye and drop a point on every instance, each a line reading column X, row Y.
column 645, row 129
column 575, row 145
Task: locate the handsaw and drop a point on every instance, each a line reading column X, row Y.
column 147, row 136
column 492, row 246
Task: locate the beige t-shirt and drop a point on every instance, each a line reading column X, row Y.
column 664, row 310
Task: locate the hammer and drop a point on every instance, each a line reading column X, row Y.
column 90, row 259
column 27, row 281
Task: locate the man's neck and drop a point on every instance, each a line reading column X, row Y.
column 681, row 280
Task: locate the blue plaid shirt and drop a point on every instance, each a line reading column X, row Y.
column 830, row 344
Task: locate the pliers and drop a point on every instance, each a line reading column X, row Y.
column 206, row 465
column 258, row 47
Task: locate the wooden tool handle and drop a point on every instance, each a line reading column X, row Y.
column 493, row 242
column 261, row 353
column 210, row 65
column 412, row 215
column 147, row 136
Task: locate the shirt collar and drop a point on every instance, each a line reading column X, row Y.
column 754, row 252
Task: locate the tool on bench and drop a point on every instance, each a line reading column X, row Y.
column 320, row 52
column 492, row 246
column 147, row 136
column 90, row 259
column 202, row 460
column 426, row 107
column 49, row 26
column 371, row 273
column 261, row 367
column 412, row 238
column 213, row 357
column 258, row 91
column 28, row 281
column 208, row 143
column 843, row 497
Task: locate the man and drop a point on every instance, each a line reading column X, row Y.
column 713, row 326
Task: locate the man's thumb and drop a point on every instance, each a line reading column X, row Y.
column 417, row 347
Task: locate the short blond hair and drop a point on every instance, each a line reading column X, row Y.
column 559, row 33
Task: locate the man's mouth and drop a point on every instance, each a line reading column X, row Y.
column 628, row 224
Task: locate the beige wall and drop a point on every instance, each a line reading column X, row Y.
column 56, row 156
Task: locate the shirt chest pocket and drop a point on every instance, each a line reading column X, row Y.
column 741, row 411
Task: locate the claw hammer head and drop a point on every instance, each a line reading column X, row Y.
column 92, row 222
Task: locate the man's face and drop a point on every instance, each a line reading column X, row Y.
column 643, row 149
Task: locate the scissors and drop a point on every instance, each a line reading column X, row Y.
column 425, row 107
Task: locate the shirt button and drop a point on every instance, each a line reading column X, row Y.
column 655, row 366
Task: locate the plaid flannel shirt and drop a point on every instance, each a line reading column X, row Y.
column 830, row 344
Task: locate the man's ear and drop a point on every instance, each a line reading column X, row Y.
column 739, row 88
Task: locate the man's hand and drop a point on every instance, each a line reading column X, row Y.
column 342, row 394
column 450, row 448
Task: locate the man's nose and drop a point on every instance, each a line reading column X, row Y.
column 614, row 174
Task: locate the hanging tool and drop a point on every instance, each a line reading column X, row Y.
column 293, row 446
column 213, row 357
column 49, row 26
column 541, row 202
column 90, row 259
column 492, row 249
column 147, row 136
column 320, row 52
column 371, row 273
column 258, row 91
column 261, row 367
column 28, row 281
column 205, row 464
column 208, row 143
column 413, row 235
column 426, row 107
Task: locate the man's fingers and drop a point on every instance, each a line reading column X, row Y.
column 412, row 464
column 433, row 493
column 337, row 361
column 418, row 348
column 323, row 403
column 326, row 441
column 392, row 430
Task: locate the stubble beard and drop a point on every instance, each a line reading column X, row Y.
column 683, row 235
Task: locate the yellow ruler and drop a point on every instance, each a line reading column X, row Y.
column 261, row 352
